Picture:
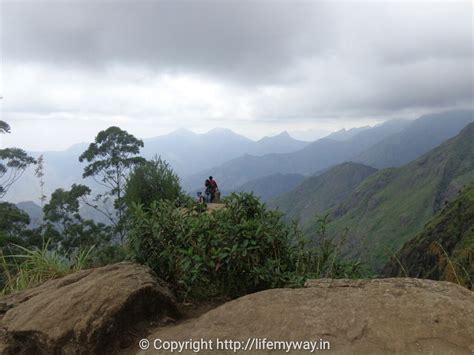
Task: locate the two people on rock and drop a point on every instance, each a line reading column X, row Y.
column 212, row 190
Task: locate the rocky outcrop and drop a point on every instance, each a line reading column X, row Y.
column 83, row 313
column 384, row 316
column 90, row 311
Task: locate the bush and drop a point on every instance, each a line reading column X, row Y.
column 233, row 251
column 152, row 180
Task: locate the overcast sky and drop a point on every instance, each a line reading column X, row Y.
column 71, row 68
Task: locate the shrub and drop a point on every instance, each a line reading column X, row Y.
column 236, row 250
column 152, row 180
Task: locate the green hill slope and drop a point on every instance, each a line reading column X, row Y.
column 444, row 250
column 271, row 186
column 392, row 205
column 319, row 193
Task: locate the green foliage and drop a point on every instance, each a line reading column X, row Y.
column 444, row 250
column 30, row 267
column 13, row 162
column 152, row 181
column 111, row 158
column 14, row 227
column 64, row 224
column 321, row 254
column 113, row 152
column 232, row 251
column 109, row 254
column 317, row 194
column 12, row 219
column 4, row 127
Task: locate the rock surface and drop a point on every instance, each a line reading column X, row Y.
column 384, row 316
column 83, row 313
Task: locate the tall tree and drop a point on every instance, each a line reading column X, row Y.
column 111, row 158
column 13, row 162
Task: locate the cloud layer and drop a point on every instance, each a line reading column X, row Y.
column 254, row 66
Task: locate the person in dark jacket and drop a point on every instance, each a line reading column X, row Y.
column 211, row 189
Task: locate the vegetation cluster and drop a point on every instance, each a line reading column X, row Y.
column 241, row 248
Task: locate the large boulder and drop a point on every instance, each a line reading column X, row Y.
column 383, row 316
column 82, row 313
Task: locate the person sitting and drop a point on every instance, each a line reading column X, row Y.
column 200, row 197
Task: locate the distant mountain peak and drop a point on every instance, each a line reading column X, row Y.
column 220, row 130
column 280, row 136
column 182, row 132
column 283, row 134
column 345, row 134
column 226, row 133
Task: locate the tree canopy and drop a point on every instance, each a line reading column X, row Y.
column 111, row 158
column 13, row 162
column 150, row 181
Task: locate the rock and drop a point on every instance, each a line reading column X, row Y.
column 382, row 316
column 87, row 312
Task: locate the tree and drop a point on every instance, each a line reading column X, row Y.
column 65, row 225
column 13, row 162
column 4, row 127
column 111, row 158
column 14, row 227
column 150, row 181
column 12, row 219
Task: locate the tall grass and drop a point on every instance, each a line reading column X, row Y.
column 30, row 267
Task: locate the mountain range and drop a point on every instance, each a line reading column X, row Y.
column 389, row 186
column 316, row 156
column 382, row 209
column 390, row 144
column 187, row 153
column 420, row 137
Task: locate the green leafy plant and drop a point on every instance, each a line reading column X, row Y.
column 13, row 162
column 228, row 252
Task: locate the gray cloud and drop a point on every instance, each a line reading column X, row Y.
column 240, row 39
column 192, row 63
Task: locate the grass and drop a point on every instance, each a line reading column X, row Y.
column 444, row 249
column 30, row 267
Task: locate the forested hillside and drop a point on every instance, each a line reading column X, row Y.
column 392, row 205
column 444, row 250
column 315, row 195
